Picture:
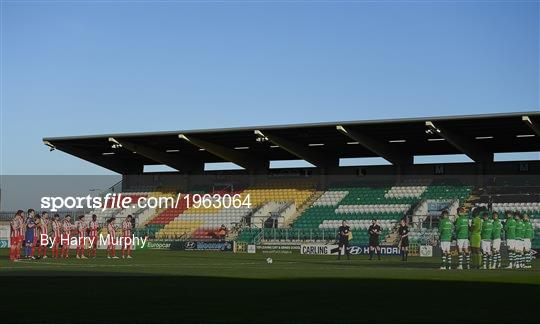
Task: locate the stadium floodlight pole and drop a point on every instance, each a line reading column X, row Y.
column 534, row 127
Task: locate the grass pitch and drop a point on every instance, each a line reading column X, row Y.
column 174, row 286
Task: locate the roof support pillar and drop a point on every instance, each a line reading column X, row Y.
column 175, row 161
column 241, row 159
column 473, row 151
column 299, row 150
column 380, row 148
column 535, row 127
column 121, row 166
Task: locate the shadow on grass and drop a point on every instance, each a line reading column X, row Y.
column 105, row 299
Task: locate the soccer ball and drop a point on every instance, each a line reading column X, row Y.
column 269, row 260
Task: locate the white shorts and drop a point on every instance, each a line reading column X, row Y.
column 527, row 244
column 445, row 246
column 463, row 244
column 496, row 244
column 519, row 245
column 486, row 246
column 511, row 243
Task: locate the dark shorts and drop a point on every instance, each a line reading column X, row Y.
column 373, row 242
column 343, row 241
column 404, row 242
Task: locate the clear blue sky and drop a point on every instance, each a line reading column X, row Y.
column 87, row 68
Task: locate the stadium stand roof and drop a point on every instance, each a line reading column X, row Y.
column 322, row 144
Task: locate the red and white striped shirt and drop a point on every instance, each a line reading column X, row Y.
column 19, row 226
column 57, row 228
column 66, row 227
column 126, row 228
column 111, row 229
column 14, row 226
column 81, row 226
column 93, row 227
column 44, row 226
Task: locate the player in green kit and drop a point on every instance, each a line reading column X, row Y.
column 528, row 236
column 445, row 235
column 520, row 230
column 476, row 238
column 486, row 234
column 462, row 234
column 496, row 244
column 510, row 234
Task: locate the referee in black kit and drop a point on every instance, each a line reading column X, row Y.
column 343, row 239
column 403, row 245
column 374, row 231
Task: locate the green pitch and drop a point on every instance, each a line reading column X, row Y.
column 174, row 286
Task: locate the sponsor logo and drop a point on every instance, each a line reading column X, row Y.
column 190, row 245
column 212, row 246
column 426, row 251
column 353, row 250
column 364, row 250
column 157, row 244
column 317, row 249
column 4, row 243
column 251, row 249
column 278, row 249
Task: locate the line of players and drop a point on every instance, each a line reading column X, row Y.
column 484, row 235
column 26, row 232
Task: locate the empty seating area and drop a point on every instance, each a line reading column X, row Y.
column 203, row 222
column 358, row 206
column 532, row 208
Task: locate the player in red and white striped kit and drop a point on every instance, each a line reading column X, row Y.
column 57, row 232
column 66, row 236
column 111, row 229
column 43, row 229
column 93, row 228
column 127, row 227
column 16, row 236
column 81, row 227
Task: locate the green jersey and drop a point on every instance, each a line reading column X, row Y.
column 445, row 229
column 519, row 230
column 487, row 229
column 528, row 230
column 497, row 229
column 462, row 227
column 510, row 228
